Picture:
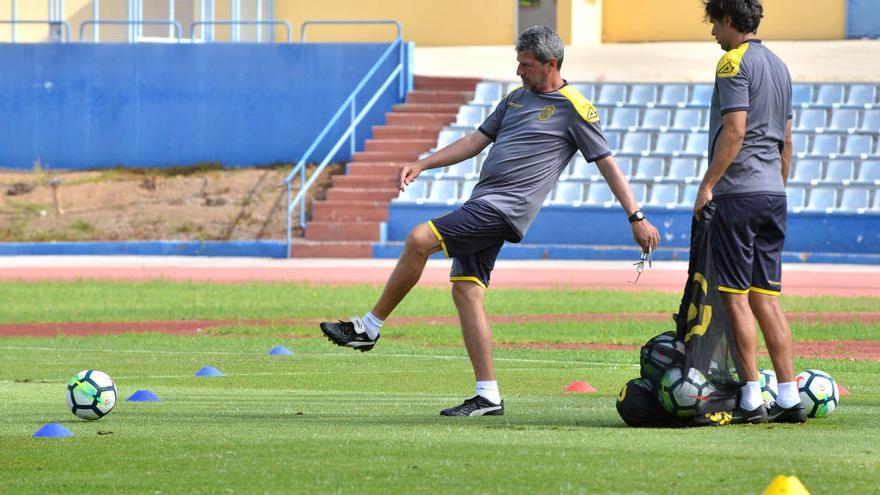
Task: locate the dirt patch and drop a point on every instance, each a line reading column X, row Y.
column 198, row 203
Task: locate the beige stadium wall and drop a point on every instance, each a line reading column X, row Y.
column 39, row 10
column 427, row 23
column 682, row 20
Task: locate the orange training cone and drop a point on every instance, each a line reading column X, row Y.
column 843, row 391
column 786, row 485
column 579, row 386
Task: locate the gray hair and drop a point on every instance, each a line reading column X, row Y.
column 543, row 42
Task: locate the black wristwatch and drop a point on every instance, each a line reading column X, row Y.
column 637, row 216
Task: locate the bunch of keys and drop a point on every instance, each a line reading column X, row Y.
column 640, row 265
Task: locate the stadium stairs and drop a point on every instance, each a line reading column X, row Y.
column 351, row 218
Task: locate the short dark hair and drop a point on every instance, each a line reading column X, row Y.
column 745, row 15
column 543, row 42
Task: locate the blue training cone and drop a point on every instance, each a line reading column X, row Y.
column 280, row 350
column 209, row 371
column 53, row 430
column 143, row 396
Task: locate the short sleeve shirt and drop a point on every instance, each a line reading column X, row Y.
column 535, row 135
column 753, row 79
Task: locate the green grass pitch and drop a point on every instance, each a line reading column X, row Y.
column 331, row 420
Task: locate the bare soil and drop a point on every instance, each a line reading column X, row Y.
column 195, row 203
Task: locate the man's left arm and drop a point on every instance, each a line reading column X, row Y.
column 727, row 146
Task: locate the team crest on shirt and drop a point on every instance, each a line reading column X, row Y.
column 546, row 113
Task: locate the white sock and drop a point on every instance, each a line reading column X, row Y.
column 750, row 396
column 373, row 325
column 489, row 390
column 788, row 395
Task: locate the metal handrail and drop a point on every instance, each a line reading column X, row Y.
column 64, row 24
column 286, row 25
column 178, row 29
column 302, row 28
column 349, row 133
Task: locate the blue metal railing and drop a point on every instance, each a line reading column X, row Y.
column 240, row 23
column 355, row 118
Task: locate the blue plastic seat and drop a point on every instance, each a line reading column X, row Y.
column 625, row 164
column 796, row 196
column 413, row 192
column 811, row 119
column 603, row 114
column 829, row 94
column 443, row 191
column 640, row 192
column 467, row 187
column 470, row 115
column 822, row 198
column 669, row 143
column 464, row 169
column 854, row 198
column 673, row 94
column 687, row 119
column 839, row 170
column 613, row 139
column 682, row 168
column 513, row 86
column 799, row 143
column 636, row 142
column 584, row 89
column 580, row 169
column 642, row 94
column 656, row 119
column 649, row 168
column 448, row 136
column 871, row 121
column 690, row 194
column 701, row 95
column 869, row 171
column 857, row 145
column 825, row 144
column 801, row 94
column 861, row 94
column 612, row 94
column 843, row 119
column 568, row 193
column 807, row 170
column 624, row 118
column 703, row 168
column 697, row 143
column 664, row 194
column 599, row 194
column 487, row 92
column 876, row 204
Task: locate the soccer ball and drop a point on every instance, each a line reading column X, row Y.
column 659, row 354
column 91, row 394
column 684, row 395
column 769, row 386
column 818, row 392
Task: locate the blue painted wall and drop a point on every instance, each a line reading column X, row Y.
column 78, row 106
column 862, row 19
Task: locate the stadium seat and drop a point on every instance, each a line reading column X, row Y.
column 599, row 194
column 664, row 194
column 702, row 95
column 625, row 164
column 869, row 171
column 612, row 94
column 669, row 143
column 649, row 168
column 511, row 87
column 461, row 170
column 843, row 119
column 414, row 192
column 682, row 168
column 807, row 171
column 796, row 197
column 487, row 93
column 642, row 94
column 799, row 143
column 568, row 193
column 443, row 191
column 467, row 187
column 580, row 169
column 697, row 143
column 448, row 136
column 854, row 199
column 871, row 121
column 470, row 115
column 839, row 171
column 822, row 198
column 811, row 119
column 688, row 119
column 603, row 114
column 690, row 195
column 861, row 94
column 636, row 142
column 673, row 95
column 613, row 139
column 858, row 145
column 624, row 118
column 704, row 167
column 825, row 144
column 585, row 89
column 801, row 94
column 829, row 94
column 876, row 204
column 640, row 192
column 656, row 119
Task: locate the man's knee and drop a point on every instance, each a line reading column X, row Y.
column 422, row 240
column 763, row 301
column 466, row 292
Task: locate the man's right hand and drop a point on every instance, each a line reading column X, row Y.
column 408, row 174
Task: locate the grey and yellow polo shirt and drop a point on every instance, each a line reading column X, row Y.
column 535, row 136
column 753, row 79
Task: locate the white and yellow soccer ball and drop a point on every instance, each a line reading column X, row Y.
column 769, row 386
column 818, row 391
column 91, row 394
column 685, row 395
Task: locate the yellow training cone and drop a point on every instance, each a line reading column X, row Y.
column 786, row 485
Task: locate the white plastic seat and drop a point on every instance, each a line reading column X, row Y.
column 682, row 168
column 642, row 94
column 673, row 94
column 669, row 143
column 443, row 191
column 687, row 119
column 636, row 142
column 869, row 171
column 829, row 94
column 656, row 119
column 664, row 194
column 801, row 94
column 624, row 118
column 599, row 194
column 843, row 119
column 796, row 196
column 697, row 143
column 701, row 95
column 611, row 94
column 413, row 192
column 467, row 187
column 487, row 93
column 807, row 170
column 822, row 198
column 839, row 170
column 568, row 193
column 825, row 144
column 470, row 115
column 447, row 137
column 854, row 199
column 857, row 145
column 871, row 121
column 811, row 119
column 861, row 94
column 649, row 168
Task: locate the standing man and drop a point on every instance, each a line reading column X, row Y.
column 750, row 153
column 536, row 130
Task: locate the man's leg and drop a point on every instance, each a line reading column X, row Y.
column 468, row 297
column 777, row 334
column 743, row 323
column 420, row 245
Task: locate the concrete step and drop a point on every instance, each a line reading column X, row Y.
column 412, row 118
column 407, row 131
column 350, row 211
column 330, row 249
column 386, row 156
column 364, row 182
column 343, row 231
column 459, row 97
column 427, row 107
column 374, row 168
column 361, row 194
column 416, row 145
column 448, row 83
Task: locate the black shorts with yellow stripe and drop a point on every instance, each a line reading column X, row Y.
column 748, row 233
column 472, row 236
